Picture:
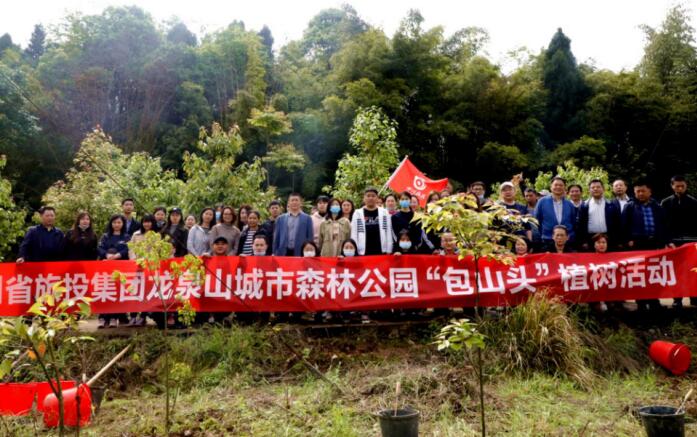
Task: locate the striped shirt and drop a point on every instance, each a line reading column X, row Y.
column 247, row 248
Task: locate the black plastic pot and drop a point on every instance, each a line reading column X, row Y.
column 403, row 424
column 661, row 421
column 97, row 397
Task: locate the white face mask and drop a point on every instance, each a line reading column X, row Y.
column 309, row 253
column 259, row 253
column 349, row 252
column 405, row 245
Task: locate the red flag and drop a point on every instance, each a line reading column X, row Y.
column 408, row 178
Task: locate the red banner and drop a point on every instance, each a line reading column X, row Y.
column 409, row 178
column 364, row 283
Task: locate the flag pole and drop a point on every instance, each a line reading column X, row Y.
column 394, row 173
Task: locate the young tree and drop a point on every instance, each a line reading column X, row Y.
column 213, row 175
column 53, row 328
column 374, row 139
column 481, row 232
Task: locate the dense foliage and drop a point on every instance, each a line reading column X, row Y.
column 152, row 86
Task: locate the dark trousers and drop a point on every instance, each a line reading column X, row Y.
column 647, row 243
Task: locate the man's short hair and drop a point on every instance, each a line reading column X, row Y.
column 480, row 183
column 43, row 209
column 322, row 198
column 298, row 195
column 562, row 227
column 371, row 190
column 558, row 178
column 127, row 199
column 261, row 236
column 575, row 186
column 642, row 183
column 531, row 190
column 678, row 178
column 596, row 181
column 274, row 203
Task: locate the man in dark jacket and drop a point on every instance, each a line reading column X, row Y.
column 645, row 226
column 598, row 216
column 42, row 242
column 132, row 224
column 681, row 212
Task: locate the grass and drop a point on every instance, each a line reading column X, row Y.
column 242, row 381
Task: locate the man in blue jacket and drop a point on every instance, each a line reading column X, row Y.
column 42, row 242
column 555, row 210
column 598, row 216
column 292, row 229
column 645, row 226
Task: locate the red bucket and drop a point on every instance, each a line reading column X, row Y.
column 674, row 357
column 70, row 407
column 16, row 399
column 43, row 389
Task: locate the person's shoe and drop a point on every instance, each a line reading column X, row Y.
column 113, row 323
column 211, row 319
column 140, row 321
column 132, row 323
column 101, row 324
column 365, row 318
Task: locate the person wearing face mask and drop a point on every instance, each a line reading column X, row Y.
column 404, row 245
column 333, row 230
column 402, row 220
column 348, row 249
column 260, row 245
column 80, row 243
column 309, row 249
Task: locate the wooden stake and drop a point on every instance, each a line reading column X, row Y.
column 109, row 364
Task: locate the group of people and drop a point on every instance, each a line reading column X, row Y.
column 382, row 225
column 566, row 222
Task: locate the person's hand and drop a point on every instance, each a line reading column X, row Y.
column 117, row 256
column 397, row 254
column 670, row 246
column 340, row 256
column 436, row 252
column 630, row 244
column 20, row 260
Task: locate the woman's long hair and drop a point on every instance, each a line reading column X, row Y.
column 88, row 233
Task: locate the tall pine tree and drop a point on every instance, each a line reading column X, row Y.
column 37, row 44
column 566, row 91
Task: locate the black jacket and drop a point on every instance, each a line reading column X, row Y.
column 633, row 223
column 111, row 243
column 40, row 244
column 681, row 216
column 179, row 237
column 82, row 249
column 613, row 221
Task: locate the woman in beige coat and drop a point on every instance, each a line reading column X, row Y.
column 333, row 230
